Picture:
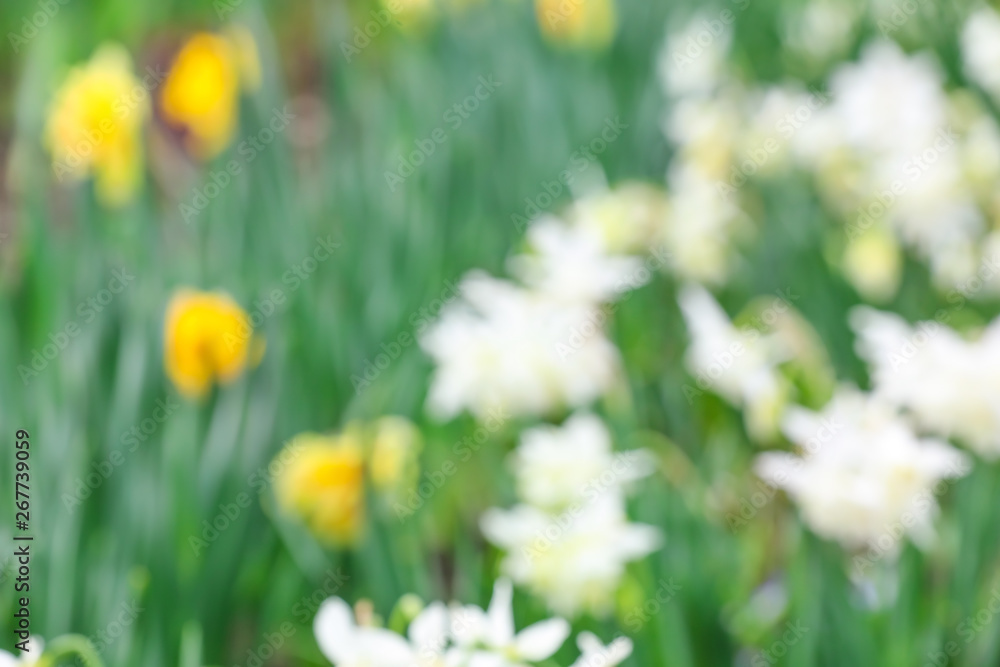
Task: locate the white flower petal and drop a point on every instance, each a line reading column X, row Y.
column 335, row 631
column 539, row 641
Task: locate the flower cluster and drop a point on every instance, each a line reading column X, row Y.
column 863, row 470
column 457, row 635
column 539, row 347
column 947, row 385
column 96, row 120
column 320, row 478
column 705, row 124
column 569, row 539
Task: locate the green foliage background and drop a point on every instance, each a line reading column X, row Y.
column 130, row 540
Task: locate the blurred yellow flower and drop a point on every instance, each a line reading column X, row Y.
column 321, row 481
column 583, row 23
column 95, row 124
column 873, row 263
column 208, row 338
column 396, row 444
column 201, row 93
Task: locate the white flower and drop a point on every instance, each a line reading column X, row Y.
column 703, row 224
column 595, row 654
column 571, row 265
column 981, row 49
column 429, row 635
column 346, row 644
column 889, row 102
column 570, row 540
column 693, row 60
column 739, row 365
column 575, row 560
column 506, row 348
column 556, row 466
column 864, row 474
column 706, row 131
column 949, row 386
column 487, row 639
column 822, row 29
column 626, row 220
column 27, row 658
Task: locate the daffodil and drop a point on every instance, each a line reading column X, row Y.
column 395, row 446
column 321, row 481
column 582, row 23
column 208, row 338
column 201, row 93
column 95, row 125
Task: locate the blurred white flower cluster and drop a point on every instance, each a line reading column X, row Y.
column 738, row 364
column 538, row 346
column 863, row 474
column 893, row 150
column 456, row 636
column 947, row 385
column 569, row 540
column 899, row 158
column 865, row 471
column 706, row 124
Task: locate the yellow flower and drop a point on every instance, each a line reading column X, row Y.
column 411, row 15
column 201, row 93
column 207, row 338
column 95, row 125
column 321, row 481
column 396, row 443
column 873, row 263
column 583, row 23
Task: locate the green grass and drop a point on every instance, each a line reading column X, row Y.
column 130, row 540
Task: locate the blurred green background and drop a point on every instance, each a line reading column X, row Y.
column 127, row 545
